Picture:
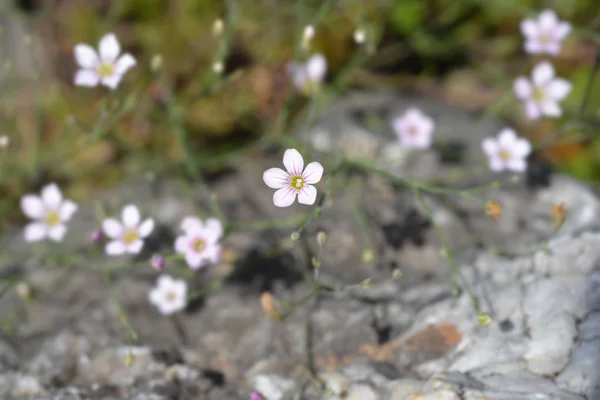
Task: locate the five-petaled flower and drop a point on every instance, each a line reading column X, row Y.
column 542, row 94
column 507, row 152
column 169, row 295
column 200, row 241
column 104, row 67
column 127, row 237
column 297, row 181
column 545, row 34
column 308, row 77
column 50, row 213
column 414, row 129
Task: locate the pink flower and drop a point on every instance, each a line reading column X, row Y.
column 543, row 93
column 200, row 241
column 49, row 212
column 507, row 152
column 308, row 77
column 158, row 262
column 127, row 237
column 297, row 181
column 544, row 35
column 414, row 129
column 104, row 67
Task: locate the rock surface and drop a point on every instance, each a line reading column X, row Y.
column 406, row 338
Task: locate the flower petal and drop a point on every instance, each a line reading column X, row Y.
column 51, row 196
column 112, row 228
column 529, row 28
column 124, row 63
column 135, row 247
column 115, row 248
column 146, row 227
column 521, row 148
column 533, row 46
column 112, row 82
column 276, row 178
column 313, row 173
column 293, row 161
column 559, row 88
column 522, row 88
column 86, row 77
column 191, row 224
column 57, row 232
column 308, row 195
column 215, row 228
column 86, row 56
column 109, row 48
column 551, row 109
column 284, row 197
column 155, row 296
column 517, row 165
column 489, row 146
column 496, row 163
column 181, row 244
column 548, row 19
column 130, row 216
column 543, row 73
column 165, row 282
column 67, row 209
column 194, row 260
column 507, row 138
column 532, row 110
column 316, row 67
column 32, row 206
column 35, row 231
column 563, row 30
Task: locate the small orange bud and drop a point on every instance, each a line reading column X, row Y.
column 493, row 209
column 559, row 214
column 270, row 308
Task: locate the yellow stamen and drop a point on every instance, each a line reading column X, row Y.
column 539, row 95
column 297, row 182
column 52, row 218
column 505, row 155
column 106, row 70
column 199, row 245
column 170, row 297
column 130, row 237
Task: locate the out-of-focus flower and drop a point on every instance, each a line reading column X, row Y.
column 156, row 63
column 507, row 152
column 297, row 181
column 559, row 215
column 360, row 36
column 50, row 213
column 307, row 36
column 169, row 295
column 217, row 27
column 543, row 93
column 309, row 76
column 544, row 35
column 200, row 241
column 96, row 237
column 414, row 129
column 256, row 396
column 4, row 141
column 127, row 237
column 104, row 67
column 218, row 67
column 158, row 262
column 493, row 209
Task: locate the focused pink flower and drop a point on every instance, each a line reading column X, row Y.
column 543, row 93
column 414, row 129
column 507, row 152
column 297, row 181
column 50, row 213
column 308, row 77
column 544, row 35
column 104, row 67
column 128, row 236
column 169, row 295
column 200, row 241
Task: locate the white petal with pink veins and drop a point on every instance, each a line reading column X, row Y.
column 307, row 195
column 276, row 178
column 293, row 161
column 313, row 173
column 284, row 197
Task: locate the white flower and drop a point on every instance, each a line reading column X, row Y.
column 544, row 35
column 307, row 35
column 507, row 152
column 542, row 94
column 308, row 77
column 127, row 237
column 50, row 213
column 414, row 129
column 199, row 242
column 104, row 67
column 169, row 295
column 295, row 181
column 360, row 36
column 4, row 141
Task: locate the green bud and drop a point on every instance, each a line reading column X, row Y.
column 295, row 236
column 485, row 319
column 321, row 238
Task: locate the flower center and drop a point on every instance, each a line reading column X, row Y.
column 130, row 237
column 546, row 38
column 297, row 182
column 539, row 95
column 52, row 218
column 504, row 155
column 170, row 297
column 198, row 245
column 412, row 130
column 106, row 70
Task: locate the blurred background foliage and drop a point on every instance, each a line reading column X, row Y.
column 465, row 52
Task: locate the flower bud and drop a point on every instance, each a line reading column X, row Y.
column 156, row 63
column 217, row 27
column 307, row 35
column 96, row 237
column 397, row 274
column 321, row 238
column 484, row 319
column 157, row 262
column 295, row 236
column 359, row 36
column 218, row 67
